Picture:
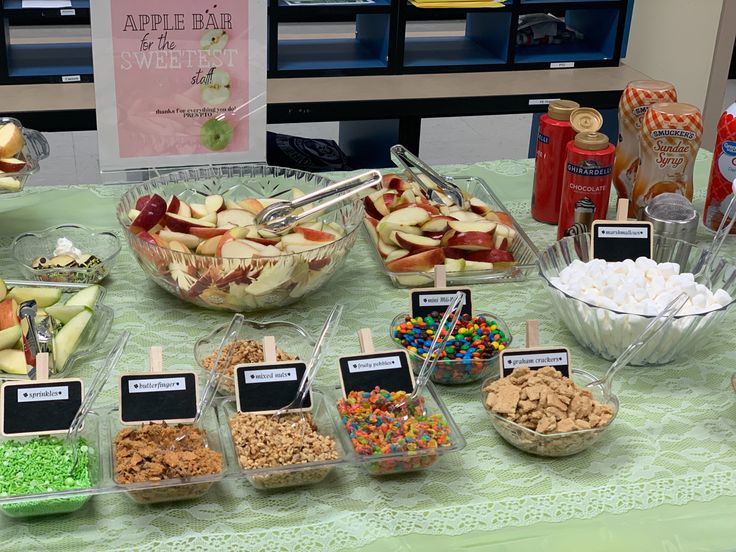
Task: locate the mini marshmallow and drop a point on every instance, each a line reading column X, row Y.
column 722, row 297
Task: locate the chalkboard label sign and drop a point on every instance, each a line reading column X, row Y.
column 426, row 301
column 267, row 388
column 618, row 240
column 158, row 397
column 39, row 408
column 388, row 370
column 535, row 358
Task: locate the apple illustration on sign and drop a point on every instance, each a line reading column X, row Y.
column 217, row 90
column 216, row 134
column 213, row 41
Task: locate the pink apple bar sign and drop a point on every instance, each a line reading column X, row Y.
column 179, row 82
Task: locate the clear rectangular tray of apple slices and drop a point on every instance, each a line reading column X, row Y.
column 84, row 323
column 476, row 263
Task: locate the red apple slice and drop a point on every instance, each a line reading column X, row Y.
column 198, row 210
column 370, row 226
column 179, row 223
column 492, row 256
column 188, row 240
column 500, row 216
column 236, row 249
column 174, row 204
column 315, row 235
column 471, row 241
column 206, row 233
column 11, row 140
column 385, row 249
column 459, row 214
column 150, row 214
column 231, row 218
column 214, row 203
column 396, row 254
column 419, row 262
column 11, row 165
column 385, row 230
column 252, row 205
column 504, row 236
column 413, row 242
column 184, row 209
column 8, row 313
column 452, row 253
column 375, row 208
column 208, row 247
column 176, row 245
column 431, row 209
column 437, row 224
column 479, row 206
column 472, row 226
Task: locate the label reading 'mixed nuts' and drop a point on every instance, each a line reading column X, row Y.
column 267, row 388
column 41, row 408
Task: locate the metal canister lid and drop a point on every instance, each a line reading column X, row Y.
column 592, row 141
column 560, row 110
column 586, row 119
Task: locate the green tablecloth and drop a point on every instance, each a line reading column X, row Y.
column 663, row 478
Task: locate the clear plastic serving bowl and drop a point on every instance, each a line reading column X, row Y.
column 31, row 245
column 290, row 338
column 35, row 149
column 552, row 444
column 290, row 475
column 241, row 285
column 403, row 462
column 608, row 332
column 456, row 372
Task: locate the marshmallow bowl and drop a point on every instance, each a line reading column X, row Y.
column 606, row 306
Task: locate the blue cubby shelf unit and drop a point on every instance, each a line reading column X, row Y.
column 50, row 60
column 366, row 53
column 600, row 28
column 485, row 43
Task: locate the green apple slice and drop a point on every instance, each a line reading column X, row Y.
column 44, row 297
column 13, row 361
column 455, row 265
column 86, row 297
column 9, row 337
column 66, row 341
column 64, row 313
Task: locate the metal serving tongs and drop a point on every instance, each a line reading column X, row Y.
column 417, row 169
column 315, row 361
column 215, row 375
column 452, row 314
column 280, row 217
column 91, row 396
column 659, row 323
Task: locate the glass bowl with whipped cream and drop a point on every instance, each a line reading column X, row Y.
column 66, row 253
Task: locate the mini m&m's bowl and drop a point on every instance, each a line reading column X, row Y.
column 470, row 355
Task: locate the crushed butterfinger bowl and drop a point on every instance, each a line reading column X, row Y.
column 549, row 429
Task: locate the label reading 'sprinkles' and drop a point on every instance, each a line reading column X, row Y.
column 267, row 388
column 388, row 370
column 170, row 397
column 40, row 408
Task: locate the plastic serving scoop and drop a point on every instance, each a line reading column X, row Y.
column 280, row 217
column 452, row 314
column 660, row 322
column 215, row 375
column 315, row 361
column 94, row 391
column 418, row 168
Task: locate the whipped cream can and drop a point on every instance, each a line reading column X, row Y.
column 586, row 187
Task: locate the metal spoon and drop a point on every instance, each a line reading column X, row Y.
column 452, row 314
column 279, row 217
column 418, row 168
column 92, row 393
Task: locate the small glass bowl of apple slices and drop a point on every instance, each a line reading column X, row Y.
column 20, row 151
column 194, row 233
column 67, row 253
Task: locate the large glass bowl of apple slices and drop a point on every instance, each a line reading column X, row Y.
column 20, row 151
column 194, row 233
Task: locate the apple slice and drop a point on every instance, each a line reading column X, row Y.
column 11, row 140
column 500, row 216
column 209, row 217
column 504, row 237
column 472, row 226
column 376, row 208
column 9, row 337
column 11, row 165
column 198, row 210
column 437, row 224
column 184, row 209
column 385, row 230
column 252, row 205
column 236, row 249
column 395, row 182
column 205, row 233
column 410, row 216
column 231, row 218
column 396, row 254
column 179, row 223
column 424, row 261
column 413, row 242
column 141, row 201
column 132, row 214
column 64, row 313
column 455, row 265
column 477, row 265
column 459, row 214
column 67, row 339
column 13, row 361
column 479, row 206
column 150, row 214
column 214, row 203
column 370, row 225
column 3, row 289
column 188, row 240
column 86, row 297
column 44, row 297
column 471, row 241
column 385, row 249
column 173, row 205
column 9, row 313
column 208, row 246
column 315, row 235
